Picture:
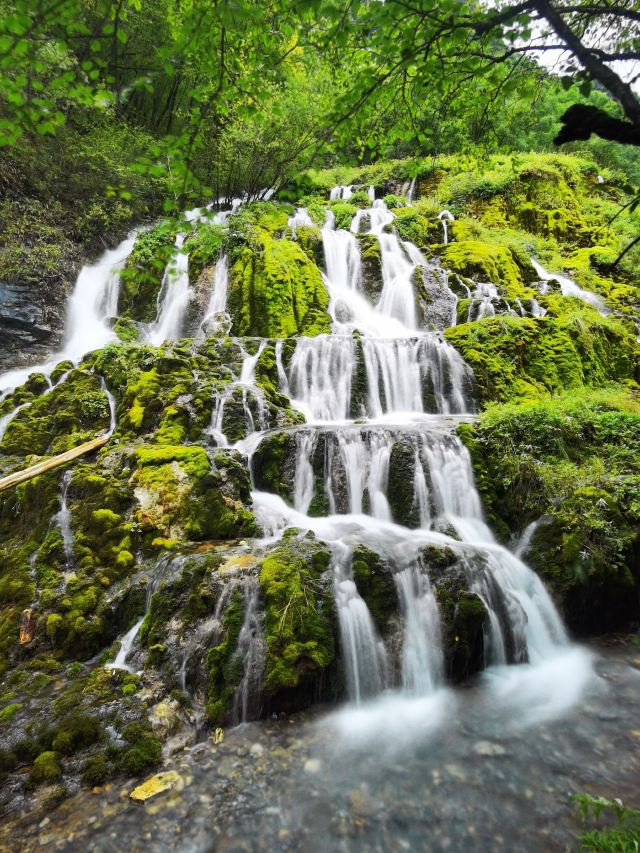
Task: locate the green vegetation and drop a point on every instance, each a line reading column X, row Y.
column 572, row 463
column 298, row 628
column 622, row 837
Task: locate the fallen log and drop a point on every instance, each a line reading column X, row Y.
column 48, row 464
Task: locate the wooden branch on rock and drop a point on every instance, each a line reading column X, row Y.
column 48, row 464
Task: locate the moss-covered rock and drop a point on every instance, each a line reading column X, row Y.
column 569, row 464
column 144, row 270
column 298, row 621
column 75, row 411
column 275, row 290
column 515, row 357
column 46, row 769
column 179, row 494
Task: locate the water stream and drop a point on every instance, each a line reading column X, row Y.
column 364, row 397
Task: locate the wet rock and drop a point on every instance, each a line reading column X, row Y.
column 165, row 718
column 487, row 748
column 256, row 750
column 27, row 626
column 157, row 785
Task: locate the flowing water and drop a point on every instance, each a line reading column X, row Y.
column 569, row 288
column 173, row 298
column 377, row 463
column 93, row 302
column 378, row 387
column 63, row 520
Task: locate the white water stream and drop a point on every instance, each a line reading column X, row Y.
column 362, row 397
column 569, row 288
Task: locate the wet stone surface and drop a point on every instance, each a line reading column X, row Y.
column 488, row 767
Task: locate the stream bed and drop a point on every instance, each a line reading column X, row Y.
column 489, row 766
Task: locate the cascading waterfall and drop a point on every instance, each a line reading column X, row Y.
column 63, row 519
column 93, row 302
column 250, row 650
column 215, row 317
column 380, row 385
column 378, row 388
column 445, row 216
column 173, row 298
column 252, row 400
column 569, row 287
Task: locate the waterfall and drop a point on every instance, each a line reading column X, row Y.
column 126, row 644
column 411, row 195
column 343, row 192
column 63, row 519
column 251, row 651
column 364, row 654
column 93, row 301
column 376, row 394
column 249, row 395
column 569, row 287
column 167, row 566
column 444, row 217
column 112, row 405
column 173, row 298
column 300, row 217
column 215, row 317
column 422, row 658
column 320, row 377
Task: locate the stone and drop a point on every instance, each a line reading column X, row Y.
column 487, row 748
column 312, row 765
column 27, row 626
column 256, row 750
column 165, row 717
column 157, row 785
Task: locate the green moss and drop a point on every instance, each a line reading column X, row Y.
column 144, row 754
column 46, row 769
column 515, row 357
column 126, row 330
column 483, row 262
column 371, row 261
column 574, row 461
column 8, row 712
column 374, row 579
column 95, row 770
column 297, row 614
column 178, row 492
column 204, row 247
column 72, row 413
column 75, row 732
column 343, row 213
column 310, row 240
column 142, row 276
column 275, row 290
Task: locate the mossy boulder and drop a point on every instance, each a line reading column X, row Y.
column 75, row 411
column 516, row 357
column 46, row 769
column 178, row 494
column 275, row 290
column 483, row 261
column 298, row 622
column 570, row 464
column 143, row 272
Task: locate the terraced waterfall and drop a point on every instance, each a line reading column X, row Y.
column 284, row 516
column 381, row 394
column 375, row 468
